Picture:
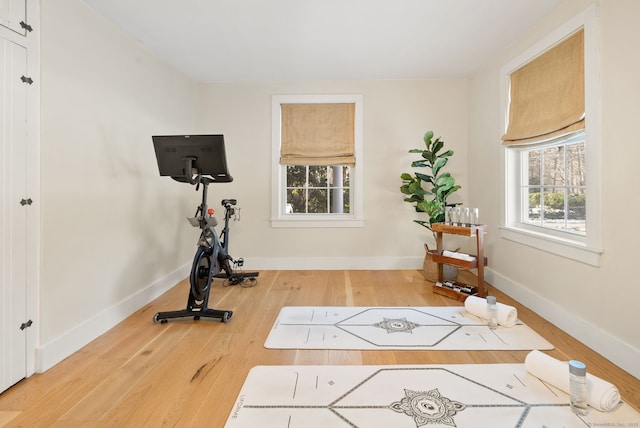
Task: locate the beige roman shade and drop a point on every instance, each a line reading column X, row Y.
column 547, row 94
column 317, row 134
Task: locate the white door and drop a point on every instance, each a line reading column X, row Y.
column 13, row 213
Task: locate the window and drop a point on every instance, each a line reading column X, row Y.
column 552, row 186
column 318, row 189
column 317, row 161
column 551, row 144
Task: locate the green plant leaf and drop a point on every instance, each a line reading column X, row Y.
column 446, row 154
column 437, row 145
column 425, row 177
column 450, row 191
column 445, row 180
column 424, row 206
column 415, row 187
column 428, row 156
column 413, row 199
column 427, row 138
column 437, row 166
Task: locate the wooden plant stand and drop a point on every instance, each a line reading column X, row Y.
column 475, row 230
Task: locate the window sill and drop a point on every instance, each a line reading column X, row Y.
column 308, row 221
column 562, row 247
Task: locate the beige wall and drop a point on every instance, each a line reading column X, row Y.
column 396, row 116
column 112, row 230
column 588, row 302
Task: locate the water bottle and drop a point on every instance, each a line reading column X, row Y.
column 578, row 387
column 492, row 312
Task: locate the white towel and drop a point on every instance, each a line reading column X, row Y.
column 459, row 256
column 507, row 315
column 601, row 394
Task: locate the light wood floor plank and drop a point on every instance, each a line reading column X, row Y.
column 6, row 417
column 188, row 373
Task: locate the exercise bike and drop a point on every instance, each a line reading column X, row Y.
column 212, row 259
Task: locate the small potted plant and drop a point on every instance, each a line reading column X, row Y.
column 428, row 191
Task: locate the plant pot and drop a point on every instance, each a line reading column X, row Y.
column 430, row 268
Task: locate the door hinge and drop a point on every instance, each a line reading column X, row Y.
column 26, row 26
column 26, row 79
column 24, row 202
column 26, row 324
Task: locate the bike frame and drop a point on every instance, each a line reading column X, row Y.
column 210, row 261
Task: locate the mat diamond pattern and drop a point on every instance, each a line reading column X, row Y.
column 437, row 328
column 465, row 395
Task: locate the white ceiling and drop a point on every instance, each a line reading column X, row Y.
column 295, row 40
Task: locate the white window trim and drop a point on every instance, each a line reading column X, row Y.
column 583, row 249
column 278, row 172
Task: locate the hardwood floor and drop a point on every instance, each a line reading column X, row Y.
column 188, row 373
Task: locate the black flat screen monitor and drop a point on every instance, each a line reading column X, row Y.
column 207, row 154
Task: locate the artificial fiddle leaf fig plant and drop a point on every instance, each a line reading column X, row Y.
column 428, row 191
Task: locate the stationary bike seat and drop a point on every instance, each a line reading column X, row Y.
column 230, row 202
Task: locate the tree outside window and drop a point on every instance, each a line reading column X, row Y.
column 318, row 189
column 554, row 187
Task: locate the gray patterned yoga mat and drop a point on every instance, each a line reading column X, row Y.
column 430, row 327
column 465, row 395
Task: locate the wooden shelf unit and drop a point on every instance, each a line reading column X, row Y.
column 475, row 230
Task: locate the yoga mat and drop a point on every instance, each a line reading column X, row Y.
column 437, row 328
column 464, row 395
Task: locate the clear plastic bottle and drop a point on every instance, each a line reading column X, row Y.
column 492, row 312
column 578, row 387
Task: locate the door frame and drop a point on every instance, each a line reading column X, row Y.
column 33, row 186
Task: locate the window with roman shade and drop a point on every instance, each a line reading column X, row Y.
column 317, row 158
column 547, row 96
column 317, row 134
column 551, row 152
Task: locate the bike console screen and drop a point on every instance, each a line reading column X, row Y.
column 184, row 156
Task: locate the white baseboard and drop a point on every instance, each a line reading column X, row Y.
column 618, row 352
column 333, row 263
column 60, row 348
